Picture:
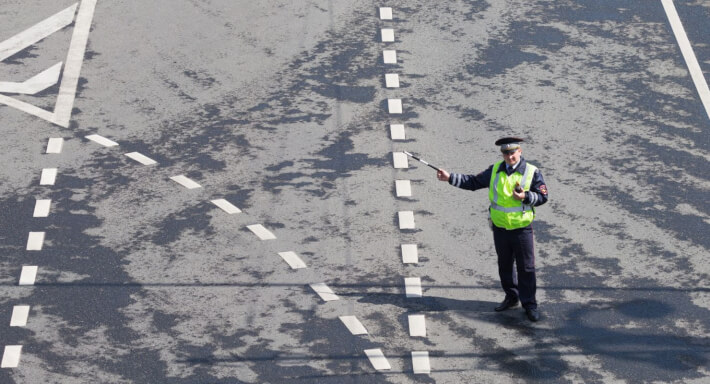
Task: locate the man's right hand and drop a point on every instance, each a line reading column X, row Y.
column 443, row 175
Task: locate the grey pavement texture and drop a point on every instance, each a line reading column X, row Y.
column 281, row 108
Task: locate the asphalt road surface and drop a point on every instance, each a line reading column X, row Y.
column 114, row 269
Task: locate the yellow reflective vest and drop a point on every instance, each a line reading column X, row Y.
column 505, row 211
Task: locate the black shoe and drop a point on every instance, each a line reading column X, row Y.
column 507, row 303
column 533, row 314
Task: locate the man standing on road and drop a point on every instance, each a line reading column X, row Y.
column 514, row 188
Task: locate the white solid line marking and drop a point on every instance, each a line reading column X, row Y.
column 400, row 160
column 403, row 188
column 413, row 286
column 392, row 80
column 292, row 259
column 226, row 206
column 397, row 131
column 28, row 275
column 406, row 219
column 420, row 362
column 11, row 356
column 37, row 32
column 410, row 254
column 102, row 140
column 185, row 181
column 387, row 35
column 35, row 240
column 394, row 106
column 385, row 13
column 261, row 232
column 417, row 325
column 19, row 315
column 378, row 359
column 687, row 50
column 324, row 292
column 143, row 159
column 42, row 208
column 36, row 83
column 48, row 177
column 389, row 56
column 54, row 145
column 354, row 325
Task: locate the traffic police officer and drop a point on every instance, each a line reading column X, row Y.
column 514, row 188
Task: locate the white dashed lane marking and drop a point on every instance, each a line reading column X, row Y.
column 377, row 359
column 387, row 35
column 102, row 140
column 226, row 206
column 54, row 145
column 324, row 292
column 392, row 80
column 397, row 131
column 403, row 188
column 400, row 160
column 261, row 232
column 35, row 241
column 42, row 208
column 185, row 181
column 143, row 159
column 11, row 356
column 394, row 106
column 410, row 255
column 417, row 326
column 48, row 177
column 354, row 325
column 406, row 219
column 389, row 56
column 420, row 362
column 292, row 259
column 19, row 315
column 413, row 286
column 385, row 13
column 28, row 275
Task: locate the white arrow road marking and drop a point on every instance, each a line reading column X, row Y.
column 37, row 32
column 37, row 83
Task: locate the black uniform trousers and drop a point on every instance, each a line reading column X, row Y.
column 516, row 247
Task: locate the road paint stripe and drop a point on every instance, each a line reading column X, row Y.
column 406, row 219
column 389, row 56
column 410, row 254
column 37, row 32
column 20, row 313
column 420, row 362
column 324, row 292
column 417, row 325
column 354, row 325
column 143, row 159
column 292, row 259
column 413, row 286
column 378, row 359
column 385, row 13
column 226, row 206
column 397, row 131
column 54, row 145
column 261, row 232
column 185, row 181
column 35, row 241
column 72, row 66
column 687, row 50
column 48, row 177
column 394, row 106
column 403, row 188
column 11, row 356
column 387, row 35
column 28, row 275
column 36, row 83
column 102, row 140
column 400, row 160
column 392, row 80
column 42, row 208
